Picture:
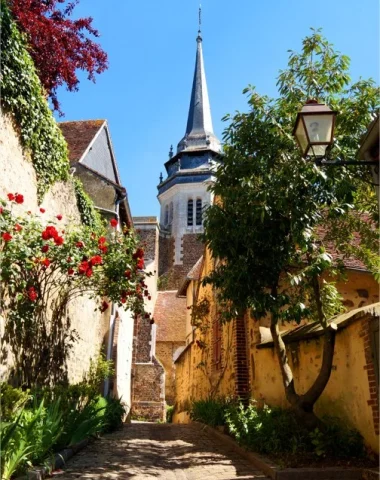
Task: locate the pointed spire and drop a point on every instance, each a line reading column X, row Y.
column 199, row 133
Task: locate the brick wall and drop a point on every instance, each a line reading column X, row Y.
column 191, row 250
column 148, row 391
column 166, row 253
column 148, row 242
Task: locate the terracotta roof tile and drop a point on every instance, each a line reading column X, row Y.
column 170, row 317
column 78, row 135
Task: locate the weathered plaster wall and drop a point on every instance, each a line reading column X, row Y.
column 18, row 175
column 348, row 395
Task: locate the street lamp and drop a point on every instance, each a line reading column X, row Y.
column 314, row 132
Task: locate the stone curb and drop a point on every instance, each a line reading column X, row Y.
column 59, row 461
column 277, row 473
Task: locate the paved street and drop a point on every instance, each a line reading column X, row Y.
column 172, row 452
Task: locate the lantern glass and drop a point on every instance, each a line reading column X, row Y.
column 301, row 136
column 319, row 128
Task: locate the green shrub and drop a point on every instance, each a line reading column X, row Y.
column 169, row 413
column 210, row 411
column 114, row 414
column 11, row 400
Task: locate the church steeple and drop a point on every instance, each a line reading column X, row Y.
column 199, row 133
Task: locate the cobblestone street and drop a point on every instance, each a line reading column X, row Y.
column 172, row 452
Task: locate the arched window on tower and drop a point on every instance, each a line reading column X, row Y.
column 198, row 213
column 190, row 212
column 166, row 220
column 171, row 213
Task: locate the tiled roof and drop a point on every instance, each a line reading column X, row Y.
column 170, row 317
column 79, row 135
column 194, row 274
column 315, row 329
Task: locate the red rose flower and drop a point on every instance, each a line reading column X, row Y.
column 18, row 227
column 104, row 306
column 123, row 300
column 102, row 240
column 79, row 244
column 69, row 259
column 113, row 223
column 7, row 237
column 70, row 271
column 103, row 249
column 29, row 212
column 152, row 321
column 83, row 267
column 58, row 240
column 46, row 262
column 10, row 196
column 149, row 297
column 19, row 198
column 140, row 264
column 59, row 217
column 1, row 210
column 96, row 260
column 45, row 248
column 139, row 253
column 32, row 294
column 49, row 232
column 146, row 293
column 42, row 210
column 89, row 273
column 127, row 274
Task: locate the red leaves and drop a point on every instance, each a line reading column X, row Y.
column 49, row 29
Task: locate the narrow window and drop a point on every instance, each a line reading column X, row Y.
column 199, row 212
column 171, row 213
column 190, row 213
column 166, row 215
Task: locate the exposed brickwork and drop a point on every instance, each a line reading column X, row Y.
column 166, row 255
column 240, row 359
column 148, row 242
column 373, row 394
column 148, row 392
column 192, row 249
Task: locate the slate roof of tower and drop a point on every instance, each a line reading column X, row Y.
column 78, row 135
column 199, row 133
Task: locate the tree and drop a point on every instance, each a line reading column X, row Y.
column 59, row 45
column 266, row 224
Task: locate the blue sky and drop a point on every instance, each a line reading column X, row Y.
column 151, row 45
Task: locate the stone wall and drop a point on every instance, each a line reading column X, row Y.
column 166, row 255
column 18, row 175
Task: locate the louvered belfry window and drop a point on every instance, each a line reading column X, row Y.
column 190, row 212
column 199, row 212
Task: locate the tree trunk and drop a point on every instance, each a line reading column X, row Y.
column 303, row 405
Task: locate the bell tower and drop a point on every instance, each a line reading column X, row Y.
column 183, row 194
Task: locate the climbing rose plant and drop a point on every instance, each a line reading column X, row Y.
column 45, row 265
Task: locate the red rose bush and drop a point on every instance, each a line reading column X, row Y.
column 43, row 268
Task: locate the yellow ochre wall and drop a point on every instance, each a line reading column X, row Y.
column 348, row 394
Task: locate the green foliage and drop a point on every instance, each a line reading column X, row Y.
column 22, row 95
column 89, row 215
column 169, row 413
column 272, row 204
column 210, row 411
column 113, row 414
column 54, row 418
column 275, row 431
column 11, row 400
